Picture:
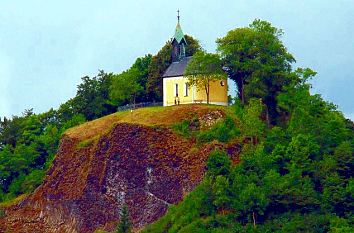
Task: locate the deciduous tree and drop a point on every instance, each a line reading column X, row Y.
column 203, row 69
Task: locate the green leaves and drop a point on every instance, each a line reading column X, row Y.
column 295, row 175
column 125, row 87
column 258, row 62
column 252, row 125
column 203, row 69
column 218, row 163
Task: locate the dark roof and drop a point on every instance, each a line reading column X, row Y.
column 177, row 68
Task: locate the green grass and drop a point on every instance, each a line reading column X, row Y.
column 13, row 201
column 223, row 130
column 87, row 143
column 151, row 116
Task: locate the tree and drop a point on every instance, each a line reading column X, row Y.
column 159, row 64
column 221, row 193
column 256, row 59
column 125, row 87
column 218, row 163
column 124, row 225
column 253, row 126
column 10, row 131
column 203, row 69
column 92, row 97
column 193, row 45
column 141, row 65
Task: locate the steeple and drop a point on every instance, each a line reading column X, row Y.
column 178, row 42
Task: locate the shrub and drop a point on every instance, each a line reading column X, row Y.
column 187, row 128
column 222, row 131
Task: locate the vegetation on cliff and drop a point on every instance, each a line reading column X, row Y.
column 295, row 174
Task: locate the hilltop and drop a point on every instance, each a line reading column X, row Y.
column 279, row 159
column 134, row 157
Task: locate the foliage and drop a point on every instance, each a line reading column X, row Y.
column 159, row 64
column 223, row 131
column 218, row 164
column 91, row 100
column 258, row 62
column 25, row 158
column 141, row 65
column 252, row 125
column 203, row 69
column 186, row 128
column 295, row 175
column 125, row 87
column 28, row 143
column 124, row 225
column 130, row 85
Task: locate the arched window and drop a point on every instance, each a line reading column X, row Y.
column 182, row 51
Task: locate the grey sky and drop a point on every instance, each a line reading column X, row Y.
column 47, row 46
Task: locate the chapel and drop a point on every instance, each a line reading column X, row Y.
column 175, row 85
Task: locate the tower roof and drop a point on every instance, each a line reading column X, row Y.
column 179, row 36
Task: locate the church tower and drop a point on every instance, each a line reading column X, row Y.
column 179, row 43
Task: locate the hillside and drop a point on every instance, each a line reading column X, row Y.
column 296, row 176
column 127, row 157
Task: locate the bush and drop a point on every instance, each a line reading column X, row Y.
column 222, row 131
column 182, row 128
column 218, row 163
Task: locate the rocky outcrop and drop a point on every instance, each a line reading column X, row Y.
column 105, row 164
column 147, row 168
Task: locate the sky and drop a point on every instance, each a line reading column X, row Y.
column 47, row 46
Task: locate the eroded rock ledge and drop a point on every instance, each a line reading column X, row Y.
column 148, row 168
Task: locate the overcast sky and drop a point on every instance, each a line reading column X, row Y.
column 47, row 46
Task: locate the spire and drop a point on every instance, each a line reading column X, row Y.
column 178, row 32
column 178, row 42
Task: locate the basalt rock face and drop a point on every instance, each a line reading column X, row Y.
column 146, row 168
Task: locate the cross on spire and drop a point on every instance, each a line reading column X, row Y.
column 178, row 15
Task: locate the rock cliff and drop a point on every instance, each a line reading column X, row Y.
column 131, row 158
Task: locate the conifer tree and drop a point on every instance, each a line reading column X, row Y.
column 124, row 225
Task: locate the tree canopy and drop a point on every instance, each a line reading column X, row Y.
column 202, row 69
column 293, row 176
column 258, row 62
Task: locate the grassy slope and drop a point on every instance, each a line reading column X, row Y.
column 152, row 116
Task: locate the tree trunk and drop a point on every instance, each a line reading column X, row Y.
column 134, row 101
column 242, row 92
column 267, row 115
column 268, row 121
column 208, row 92
column 254, row 219
column 254, row 140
